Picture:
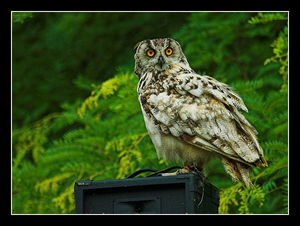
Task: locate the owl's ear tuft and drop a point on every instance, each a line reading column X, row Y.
column 136, row 45
column 140, row 43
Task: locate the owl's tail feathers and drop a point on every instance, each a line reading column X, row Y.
column 261, row 162
column 238, row 171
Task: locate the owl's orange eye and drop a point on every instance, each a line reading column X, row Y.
column 169, row 51
column 150, row 52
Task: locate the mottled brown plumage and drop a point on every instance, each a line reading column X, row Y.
column 193, row 117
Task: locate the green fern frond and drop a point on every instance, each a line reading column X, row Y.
column 18, row 158
column 276, row 100
column 106, row 89
column 254, row 102
column 247, row 86
column 277, row 164
column 267, row 17
column 281, row 118
column 281, row 128
column 269, row 78
column 281, row 173
column 61, row 154
column 247, row 198
column 65, row 201
column 285, row 191
column 275, row 145
column 269, row 185
column 84, row 82
column 73, row 134
column 51, row 183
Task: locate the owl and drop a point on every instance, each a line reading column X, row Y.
column 192, row 117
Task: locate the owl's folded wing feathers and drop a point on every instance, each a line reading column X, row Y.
column 205, row 113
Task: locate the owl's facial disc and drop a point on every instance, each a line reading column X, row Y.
column 158, row 55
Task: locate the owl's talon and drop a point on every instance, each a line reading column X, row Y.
column 168, row 174
column 187, row 168
column 182, row 171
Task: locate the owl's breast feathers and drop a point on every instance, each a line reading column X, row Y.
column 200, row 111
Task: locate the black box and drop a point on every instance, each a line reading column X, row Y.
column 179, row 194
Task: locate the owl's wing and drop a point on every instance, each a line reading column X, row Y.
column 203, row 112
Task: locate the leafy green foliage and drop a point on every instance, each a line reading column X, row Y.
column 101, row 146
column 247, row 197
column 99, row 133
column 267, row 17
column 20, row 17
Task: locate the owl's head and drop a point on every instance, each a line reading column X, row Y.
column 158, row 55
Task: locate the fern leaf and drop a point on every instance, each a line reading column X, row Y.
column 74, row 134
column 267, row 17
column 65, row 199
column 281, row 118
column 84, row 82
column 19, row 158
column 285, row 196
column 246, row 86
column 275, row 145
column 276, row 100
column 51, row 183
column 281, row 128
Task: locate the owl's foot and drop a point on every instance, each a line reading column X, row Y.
column 186, row 168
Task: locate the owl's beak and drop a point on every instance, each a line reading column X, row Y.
column 160, row 61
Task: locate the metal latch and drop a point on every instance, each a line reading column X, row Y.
column 84, row 182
